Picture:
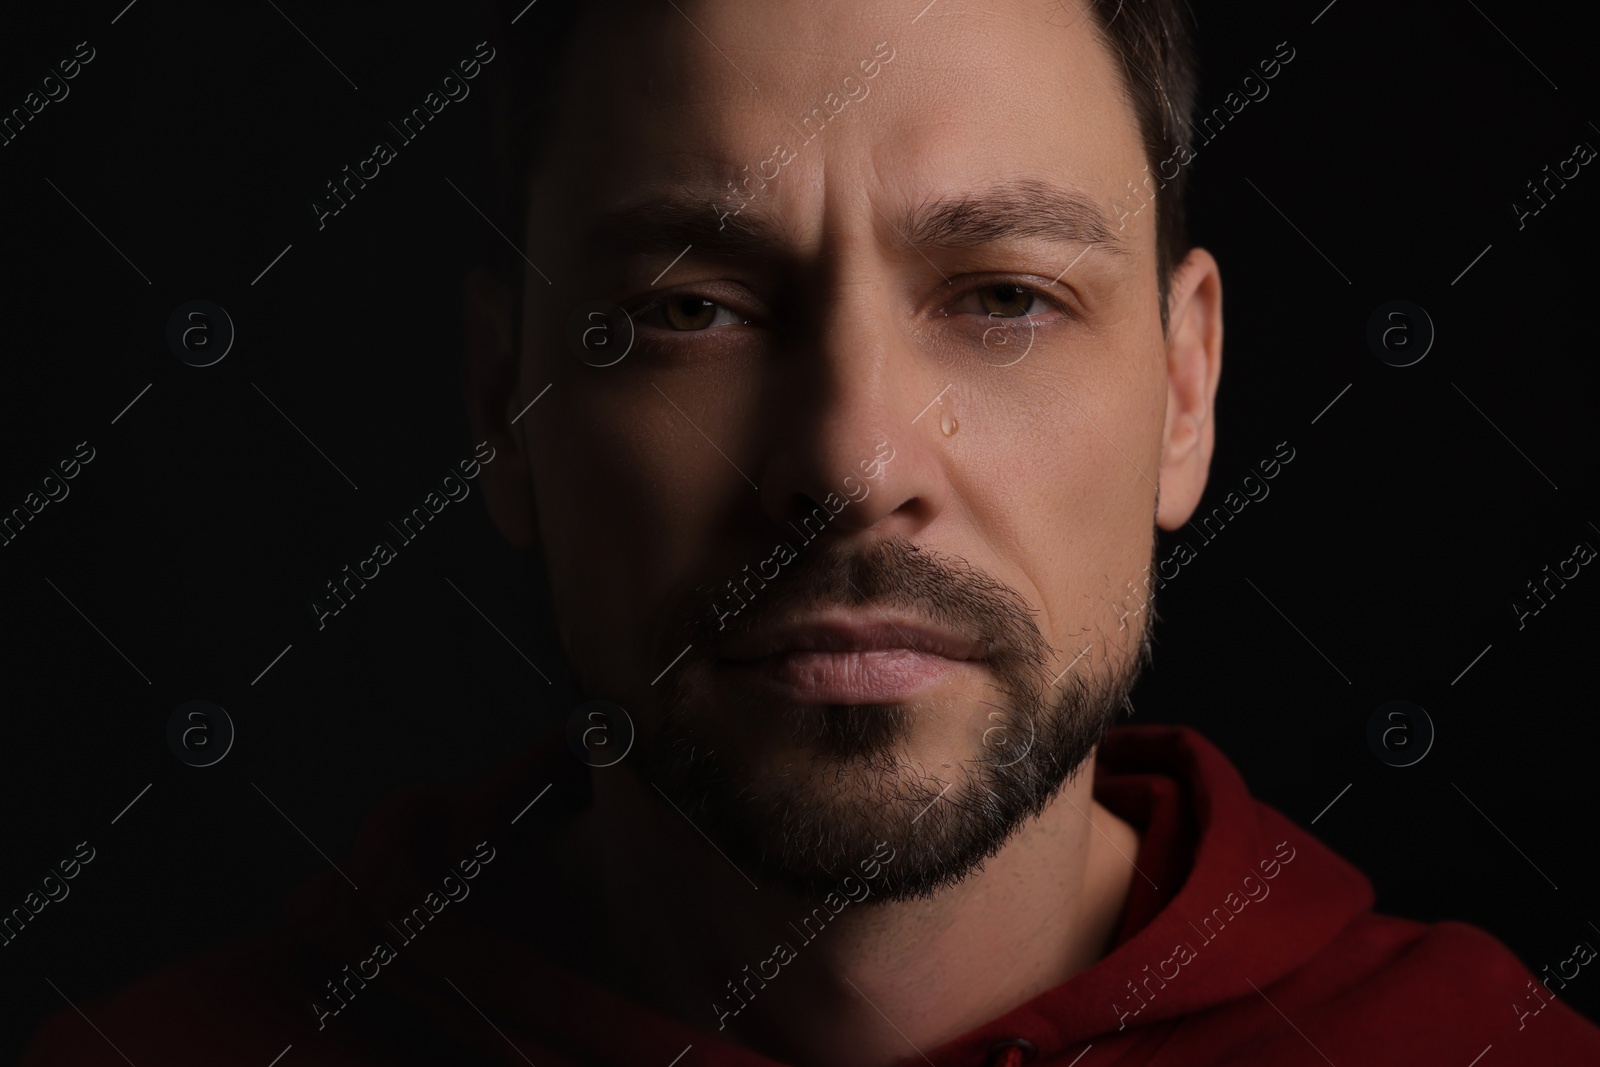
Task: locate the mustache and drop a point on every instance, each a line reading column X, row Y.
column 892, row 572
column 844, row 781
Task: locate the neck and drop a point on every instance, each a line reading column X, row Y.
column 687, row 933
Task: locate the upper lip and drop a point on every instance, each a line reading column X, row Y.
column 854, row 632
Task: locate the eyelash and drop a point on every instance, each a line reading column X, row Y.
column 1038, row 294
column 639, row 312
column 1032, row 322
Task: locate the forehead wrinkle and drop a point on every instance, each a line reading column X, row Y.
column 1018, row 209
column 672, row 221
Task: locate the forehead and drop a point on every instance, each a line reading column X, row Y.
column 883, row 97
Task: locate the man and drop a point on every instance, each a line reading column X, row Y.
column 847, row 517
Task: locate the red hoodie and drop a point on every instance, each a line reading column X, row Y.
column 1259, row 947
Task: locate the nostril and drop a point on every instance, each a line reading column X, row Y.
column 1012, row 1052
column 810, row 518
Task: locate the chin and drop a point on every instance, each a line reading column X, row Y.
column 802, row 738
column 800, row 794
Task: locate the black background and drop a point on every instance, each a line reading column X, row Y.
column 1415, row 509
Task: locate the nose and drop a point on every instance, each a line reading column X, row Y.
column 855, row 444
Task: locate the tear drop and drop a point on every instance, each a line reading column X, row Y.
column 947, row 422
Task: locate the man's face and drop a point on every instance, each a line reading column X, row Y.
column 858, row 530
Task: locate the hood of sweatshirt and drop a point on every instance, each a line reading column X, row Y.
column 441, row 941
column 1227, row 893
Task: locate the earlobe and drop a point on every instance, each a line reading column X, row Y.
column 1194, row 367
column 491, row 381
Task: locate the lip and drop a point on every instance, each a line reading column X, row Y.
column 842, row 658
column 852, row 632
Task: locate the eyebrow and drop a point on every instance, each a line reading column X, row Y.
column 668, row 224
column 1018, row 209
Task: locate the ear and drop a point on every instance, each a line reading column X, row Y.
column 492, row 376
column 1194, row 364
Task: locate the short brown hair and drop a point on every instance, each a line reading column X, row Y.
column 1160, row 75
column 1151, row 38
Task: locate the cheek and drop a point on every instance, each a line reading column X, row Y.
column 1066, row 480
column 1128, row 416
column 600, row 503
column 630, row 499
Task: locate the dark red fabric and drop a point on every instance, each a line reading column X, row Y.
column 1243, row 941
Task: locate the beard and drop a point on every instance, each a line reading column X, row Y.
column 801, row 794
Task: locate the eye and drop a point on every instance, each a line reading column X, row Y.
column 687, row 313
column 997, row 301
column 1007, row 300
column 1002, row 315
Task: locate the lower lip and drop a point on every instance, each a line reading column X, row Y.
column 875, row 676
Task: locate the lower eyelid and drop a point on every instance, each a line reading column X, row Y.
column 1051, row 308
column 1048, row 313
column 639, row 317
column 659, row 302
